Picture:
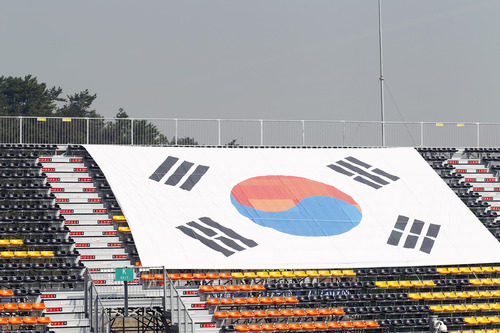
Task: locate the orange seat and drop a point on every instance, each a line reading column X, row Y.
column 242, row 328
column 206, row 289
column 252, row 300
column 6, row 293
column 240, row 300
column 234, row 314
column 4, row 321
column 233, row 288
column 299, row 312
column 308, row 326
column 174, row 276
column 199, row 276
column 225, row 275
column 220, row 314
column 15, row 320
column 1, row 307
column 372, row 323
column 29, row 320
column 25, row 306
column 291, row 299
column 219, row 288
column 212, row 276
column 312, row 312
column 273, row 313
column 258, row 287
column 295, row 326
column 286, row 313
column 158, row 277
column 147, row 277
column 333, row 325
column 282, row 327
column 278, row 300
column 213, row 301
column 266, row 300
column 325, row 312
column 338, row 312
column 43, row 320
column 245, row 287
column 247, row 314
column 10, row 307
column 186, row 276
column 255, row 327
column 359, row 324
column 226, row 301
column 38, row 306
column 260, row 313
column 320, row 326
column 346, row 324
column 268, row 327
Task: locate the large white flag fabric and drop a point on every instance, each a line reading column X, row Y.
column 271, row 208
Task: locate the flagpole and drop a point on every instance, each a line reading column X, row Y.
column 381, row 78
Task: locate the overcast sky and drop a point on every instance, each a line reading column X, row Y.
column 271, row 59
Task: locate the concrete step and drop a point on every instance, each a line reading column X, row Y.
column 89, row 188
column 99, row 255
column 75, row 168
column 78, row 201
column 64, row 323
column 80, row 195
column 67, row 175
column 60, row 159
column 91, row 228
column 68, row 212
column 81, row 206
column 72, row 186
column 107, row 264
column 76, row 234
column 61, row 295
column 108, row 252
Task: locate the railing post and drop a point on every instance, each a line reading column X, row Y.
column 303, row 133
column 171, row 299
column 96, row 316
column 176, row 130
column 477, row 135
column 132, row 132
column 185, row 320
column 261, row 132
column 218, row 132
column 421, row 134
column 86, row 294
column 20, row 129
column 88, row 130
column 164, row 289
column 90, row 309
column 102, row 321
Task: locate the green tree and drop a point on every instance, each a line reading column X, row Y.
column 78, row 105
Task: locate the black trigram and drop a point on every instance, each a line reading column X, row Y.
column 218, row 237
column 414, row 234
column 375, row 177
column 179, row 173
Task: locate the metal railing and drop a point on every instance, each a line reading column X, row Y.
column 99, row 321
column 246, row 132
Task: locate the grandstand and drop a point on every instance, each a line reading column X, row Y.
column 72, row 214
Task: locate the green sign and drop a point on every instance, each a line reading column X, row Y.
column 124, row 274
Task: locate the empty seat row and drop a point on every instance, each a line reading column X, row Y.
column 252, row 300
column 405, row 284
column 279, row 313
column 24, row 320
column 468, row 270
column 481, row 320
column 232, row 288
column 484, row 282
column 9, row 242
column 263, row 274
column 21, row 306
column 452, row 295
column 305, row 326
column 466, row 307
column 24, row 254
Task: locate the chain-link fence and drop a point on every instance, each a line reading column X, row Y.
column 246, row 132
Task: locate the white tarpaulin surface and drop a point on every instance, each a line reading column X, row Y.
column 271, row 208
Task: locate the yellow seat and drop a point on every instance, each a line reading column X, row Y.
column 476, row 269
column 438, row 295
column 495, row 306
column 119, row 218
column 4, row 242
column 324, row 273
column 495, row 293
column 442, row 270
column 472, row 307
column 426, row 296
column 486, row 282
column 417, row 283
column 453, row 270
column 470, row 320
column 276, row 274
column 393, row 284
column 461, row 294
column 483, row 306
column 487, row 269
column 16, row 242
column 34, row 254
column 465, row 270
column 381, row 284
column 47, row 253
column 250, row 275
column 473, row 294
column 496, row 281
column 123, row 229
column 436, row 308
column 492, row 331
column 6, row 254
column 263, row 275
column 287, row 274
column 20, row 254
column 450, row 295
column 448, row 308
column 459, row 307
column 476, row 282
column 484, row 294
column 496, row 268
column 429, row 283
column 237, row 275
column 406, row 284
column 494, row 319
column 299, row 274
column 349, row 272
column 414, row 296
column 483, row 320
column 312, row 273
column 336, row 273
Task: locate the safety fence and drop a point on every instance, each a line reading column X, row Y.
column 246, row 132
